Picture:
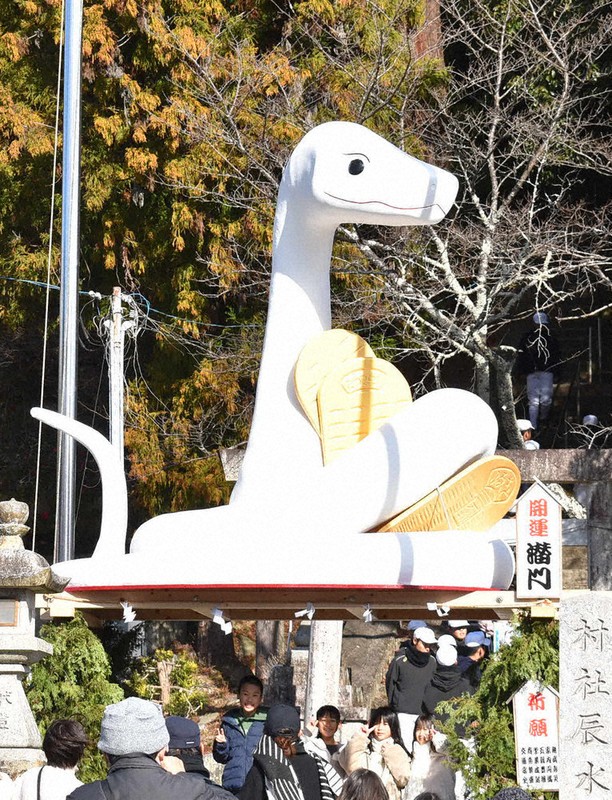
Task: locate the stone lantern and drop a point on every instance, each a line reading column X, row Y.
column 23, row 574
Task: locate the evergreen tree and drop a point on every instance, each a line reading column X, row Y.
column 486, row 716
column 72, row 683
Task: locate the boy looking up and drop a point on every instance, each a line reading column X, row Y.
column 239, row 734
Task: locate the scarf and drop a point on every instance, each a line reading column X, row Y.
column 415, row 656
column 377, row 744
column 280, row 776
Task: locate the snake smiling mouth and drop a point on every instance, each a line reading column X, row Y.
column 387, row 205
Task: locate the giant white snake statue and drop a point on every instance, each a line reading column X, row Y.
column 294, row 520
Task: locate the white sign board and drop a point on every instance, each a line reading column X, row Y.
column 536, row 736
column 538, row 545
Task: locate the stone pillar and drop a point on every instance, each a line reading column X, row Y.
column 585, row 728
column 600, row 555
column 22, row 575
column 323, row 666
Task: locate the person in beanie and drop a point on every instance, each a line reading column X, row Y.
column 134, row 738
column 185, row 744
column 282, row 769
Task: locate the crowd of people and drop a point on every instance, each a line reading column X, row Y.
column 267, row 754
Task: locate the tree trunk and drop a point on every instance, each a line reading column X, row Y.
column 483, row 377
column 427, row 41
column 217, row 650
column 164, row 670
column 505, row 397
column 270, row 647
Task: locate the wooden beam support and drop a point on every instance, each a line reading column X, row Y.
column 272, row 603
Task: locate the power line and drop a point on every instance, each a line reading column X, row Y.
column 150, row 308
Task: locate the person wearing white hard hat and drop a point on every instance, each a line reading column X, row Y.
column 527, row 430
column 408, row 676
column 539, row 360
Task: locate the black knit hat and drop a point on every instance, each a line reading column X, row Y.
column 184, row 733
column 282, row 720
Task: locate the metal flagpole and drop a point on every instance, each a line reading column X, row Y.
column 65, row 513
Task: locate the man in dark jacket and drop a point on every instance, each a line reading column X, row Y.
column 448, row 681
column 282, row 769
column 477, row 647
column 185, row 744
column 134, row 738
column 407, row 678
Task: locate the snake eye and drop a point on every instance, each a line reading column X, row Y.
column 356, row 166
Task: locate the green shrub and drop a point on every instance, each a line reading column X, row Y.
column 186, row 697
column 72, row 683
column 486, row 716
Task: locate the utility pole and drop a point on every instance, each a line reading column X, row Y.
column 117, row 326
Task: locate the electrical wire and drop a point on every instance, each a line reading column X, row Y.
column 48, row 286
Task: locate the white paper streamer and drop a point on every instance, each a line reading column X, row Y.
column 309, row 611
column 441, row 611
column 218, row 619
column 368, row 615
column 129, row 615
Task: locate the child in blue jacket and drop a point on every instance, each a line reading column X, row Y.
column 239, row 734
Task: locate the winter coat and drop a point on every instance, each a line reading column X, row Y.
column 139, row 777
column 387, row 759
column 430, row 771
column 447, row 682
column 237, row 751
column 408, row 676
column 273, row 776
column 315, row 746
column 471, row 670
